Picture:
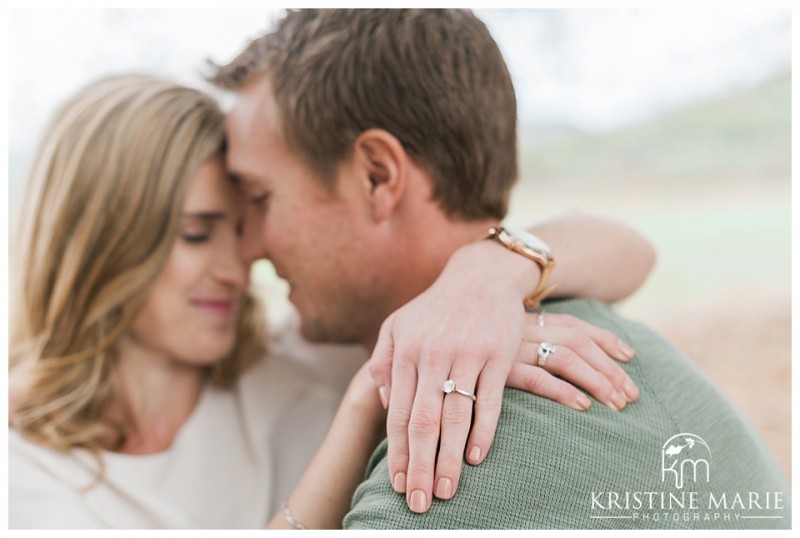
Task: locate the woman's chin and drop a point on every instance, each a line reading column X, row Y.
column 209, row 355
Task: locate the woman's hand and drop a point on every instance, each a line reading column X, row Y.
column 473, row 354
column 362, row 396
column 468, row 327
column 581, row 357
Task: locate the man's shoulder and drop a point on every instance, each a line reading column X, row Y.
column 601, row 315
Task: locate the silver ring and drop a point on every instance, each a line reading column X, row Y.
column 545, row 349
column 450, row 386
column 540, row 319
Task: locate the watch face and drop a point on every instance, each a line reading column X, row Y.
column 529, row 240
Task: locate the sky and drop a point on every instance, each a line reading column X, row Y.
column 601, row 69
column 594, row 69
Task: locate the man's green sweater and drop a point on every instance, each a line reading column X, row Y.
column 680, row 457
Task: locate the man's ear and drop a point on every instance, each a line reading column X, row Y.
column 384, row 163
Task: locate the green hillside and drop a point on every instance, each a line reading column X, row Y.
column 747, row 133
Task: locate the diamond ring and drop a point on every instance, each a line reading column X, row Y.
column 545, row 349
column 450, row 386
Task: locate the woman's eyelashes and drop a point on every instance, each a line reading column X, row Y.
column 195, row 238
column 197, row 229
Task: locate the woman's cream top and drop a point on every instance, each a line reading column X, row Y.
column 236, row 458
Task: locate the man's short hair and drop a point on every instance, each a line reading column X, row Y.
column 435, row 79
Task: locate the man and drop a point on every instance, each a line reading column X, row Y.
column 374, row 143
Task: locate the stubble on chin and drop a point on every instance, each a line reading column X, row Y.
column 318, row 332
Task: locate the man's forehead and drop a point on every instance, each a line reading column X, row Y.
column 250, row 133
column 253, row 111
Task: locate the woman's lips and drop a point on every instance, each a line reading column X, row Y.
column 215, row 306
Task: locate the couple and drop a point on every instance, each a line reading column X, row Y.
column 142, row 393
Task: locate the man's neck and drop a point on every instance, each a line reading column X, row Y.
column 426, row 248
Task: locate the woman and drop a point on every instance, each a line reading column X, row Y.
column 142, row 396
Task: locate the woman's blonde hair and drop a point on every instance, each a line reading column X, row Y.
column 101, row 213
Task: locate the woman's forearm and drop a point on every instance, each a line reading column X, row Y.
column 595, row 257
column 322, row 497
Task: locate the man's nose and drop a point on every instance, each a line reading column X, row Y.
column 231, row 269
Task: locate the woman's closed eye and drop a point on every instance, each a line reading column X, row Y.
column 195, row 238
column 197, row 229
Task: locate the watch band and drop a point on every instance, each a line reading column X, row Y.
column 538, row 252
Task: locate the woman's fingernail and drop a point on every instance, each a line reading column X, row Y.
column 444, row 488
column 474, row 455
column 383, row 392
column 418, row 502
column 399, row 482
column 630, row 391
column 627, row 351
column 618, row 399
column 582, row 403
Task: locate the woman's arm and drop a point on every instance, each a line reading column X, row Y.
column 469, row 326
column 322, row 496
column 595, row 257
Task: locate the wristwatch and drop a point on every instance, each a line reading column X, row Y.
column 533, row 248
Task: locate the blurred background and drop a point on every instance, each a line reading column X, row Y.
column 677, row 122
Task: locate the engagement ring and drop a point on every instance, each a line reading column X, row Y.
column 450, row 386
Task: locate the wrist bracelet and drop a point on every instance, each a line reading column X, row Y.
column 287, row 515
